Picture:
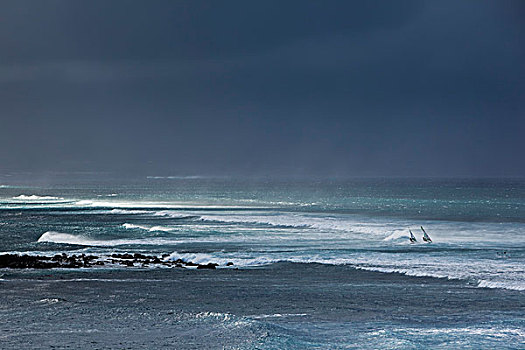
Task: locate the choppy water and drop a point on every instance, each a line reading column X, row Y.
column 477, row 227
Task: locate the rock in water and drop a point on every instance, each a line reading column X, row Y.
column 207, row 266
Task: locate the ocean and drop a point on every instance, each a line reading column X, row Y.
column 301, row 263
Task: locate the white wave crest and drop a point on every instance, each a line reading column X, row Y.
column 498, row 332
column 127, row 212
column 174, row 215
column 148, row 228
column 485, row 274
column 155, row 205
column 337, row 226
column 203, row 258
column 34, row 197
column 397, row 234
column 287, row 220
column 66, row 238
column 513, row 285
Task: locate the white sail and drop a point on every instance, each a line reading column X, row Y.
column 412, row 237
column 426, row 237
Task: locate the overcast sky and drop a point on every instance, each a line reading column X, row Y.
column 335, row 88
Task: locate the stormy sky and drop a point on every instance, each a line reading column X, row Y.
column 324, row 88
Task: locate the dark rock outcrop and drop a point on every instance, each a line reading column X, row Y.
column 210, row 266
column 26, row 262
column 15, row 261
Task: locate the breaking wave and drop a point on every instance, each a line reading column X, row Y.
column 203, row 258
column 398, row 234
column 34, row 197
column 127, row 212
column 504, row 285
column 504, row 275
column 175, row 215
column 66, row 238
column 325, row 223
column 148, row 228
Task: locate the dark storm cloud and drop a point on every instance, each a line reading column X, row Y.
column 284, row 87
column 35, row 30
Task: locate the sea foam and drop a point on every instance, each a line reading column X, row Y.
column 34, row 197
column 148, row 228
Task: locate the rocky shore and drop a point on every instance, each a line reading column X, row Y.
column 15, row 261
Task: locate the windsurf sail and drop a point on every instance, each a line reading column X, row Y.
column 412, row 237
column 426, row 237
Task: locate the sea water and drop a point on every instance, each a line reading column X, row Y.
column 274, row 228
